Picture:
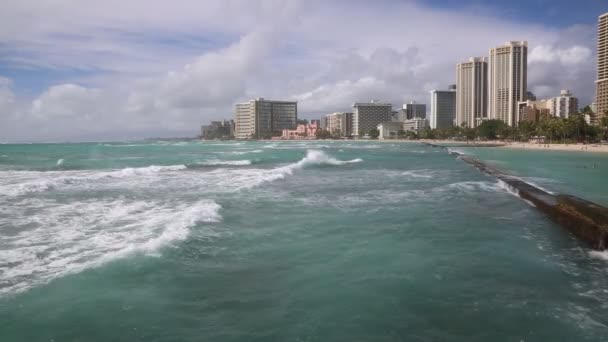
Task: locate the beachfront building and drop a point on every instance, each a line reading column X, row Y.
column 443, row 108
column 471, row 91
column 533, row 110
column 260, row 118
column 414, row 110
column 302, row 131
column 367, row 116
column 564, row 105
column 416, row 124
column 389, row 129
column 601, row 84
column 340, row 124
column 323, row 122
column 223, row 129
column 507, row 81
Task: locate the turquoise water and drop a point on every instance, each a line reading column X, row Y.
column 291, row 241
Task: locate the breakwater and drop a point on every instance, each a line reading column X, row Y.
column 585, row 219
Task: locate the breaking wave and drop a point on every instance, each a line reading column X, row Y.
column 249, row 178
column 238, row 153
column 69, row 238
column 216, row 162
column 418, row 173
column 38, row 181
column 602, row 255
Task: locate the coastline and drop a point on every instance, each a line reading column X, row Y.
column 559, row 147
column 597, row 148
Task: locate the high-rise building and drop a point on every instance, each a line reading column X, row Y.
column 414, row 110
column 323, row 122
column 367, row 116
column 601, row 84
column 410, row 111
column 262, row 118
column 471, row 91
column 507, row 82
column 443, row 108
column 564, row 105
column 223, row 129
column 340, row 124
column 416, row 124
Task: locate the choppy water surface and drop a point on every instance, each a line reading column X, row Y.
column 291, row 241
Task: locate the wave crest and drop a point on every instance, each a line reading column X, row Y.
column 217, row 162
column 69, row 238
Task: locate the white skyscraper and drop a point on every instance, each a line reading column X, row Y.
column 261, row 118
column 471, row 91
column 601, row 84
column 507, row 82
column 564, row 105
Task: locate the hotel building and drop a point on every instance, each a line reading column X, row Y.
column 507, row 82
column 471, row 91
column 564, row 105
column 340, row 124
column 367, row 116
column 262, row 118
column 601, row 84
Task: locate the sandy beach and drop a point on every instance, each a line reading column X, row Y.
column 515, row 145
column 559, row 147
column 529, row 146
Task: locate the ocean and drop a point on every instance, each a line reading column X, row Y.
column 292, row 241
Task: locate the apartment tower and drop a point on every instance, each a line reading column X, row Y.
column 367, row 116
column 471, row 91
column 507, row 83
column 601, row 84
column 340, row 124
column 262, row 118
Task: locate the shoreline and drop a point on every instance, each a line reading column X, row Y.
column 559, row 147
column 597, row 148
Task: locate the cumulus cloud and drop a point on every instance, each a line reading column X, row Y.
column 177, row 66
column 569, row 56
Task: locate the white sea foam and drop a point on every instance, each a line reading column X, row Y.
column 215, row 162
column 238, row 153
column 472, row 186
column 527, row 180
column 418, row 173
column 60, row 162
column 248, row 178
column 506, row 187
column 69, row 238
column 18, row 183
column 124, row 145
column 139, row 171
column 457, row 150
column 603, row 255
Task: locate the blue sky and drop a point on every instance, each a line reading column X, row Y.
column 87, row 70
column 556, row 13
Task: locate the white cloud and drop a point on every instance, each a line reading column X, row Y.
column 165, row 68
column 568, row 56
column 7, row 97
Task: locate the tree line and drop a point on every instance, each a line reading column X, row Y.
column 551, row 129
